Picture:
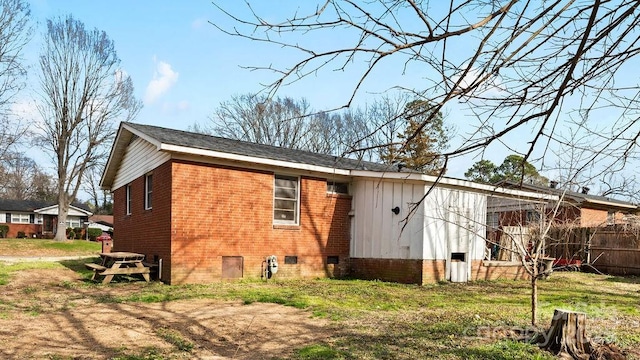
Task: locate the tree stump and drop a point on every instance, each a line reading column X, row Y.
column 567, row 335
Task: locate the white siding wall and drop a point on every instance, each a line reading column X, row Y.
column 3, row 217
column 446, row 219
column 376, row 229
column 453, row 217
column 139, row 158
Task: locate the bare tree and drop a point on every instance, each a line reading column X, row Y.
column 534, row 69
column 100, row 199
column 84, row 94
column 15, row 32
column 287, row 123
column 22, row 179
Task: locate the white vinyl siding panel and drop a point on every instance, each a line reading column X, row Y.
column 445, row 217
column 140, row 158
column 378, row 232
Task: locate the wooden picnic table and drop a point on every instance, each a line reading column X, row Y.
column 119, row 263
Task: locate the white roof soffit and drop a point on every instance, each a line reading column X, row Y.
column 251, row 159
column 457, row 183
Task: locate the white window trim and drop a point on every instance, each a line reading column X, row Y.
column 297, row 210
column 127, row 190
column 20, row 217
column 148, row 195
column 73, row 223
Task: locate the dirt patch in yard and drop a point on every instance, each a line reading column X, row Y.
column 45, row 314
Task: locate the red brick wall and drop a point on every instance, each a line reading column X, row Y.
column 220, row 211
column 145, row 231
column 28, row 229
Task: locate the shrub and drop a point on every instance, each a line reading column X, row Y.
column 70, row 233
column 94, row 233
column 4, row 230
column 78, row 232
column 21, row 235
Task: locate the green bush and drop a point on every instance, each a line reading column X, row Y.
column 4, row 230
column 78, row 232
column 21, row 235
column 94, row 233
column 70, row 233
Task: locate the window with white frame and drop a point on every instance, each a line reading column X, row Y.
column 128, row 199
column 285, row 200
column 73, row 223
column 20, row 218
column 148, row 190
column 337, row 187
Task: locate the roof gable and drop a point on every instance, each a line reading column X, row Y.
column 178, row 141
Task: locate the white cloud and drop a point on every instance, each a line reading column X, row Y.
column 163, row 79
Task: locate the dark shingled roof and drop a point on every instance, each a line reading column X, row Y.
column 8, row 205
column 238, row 147
column 22, row 205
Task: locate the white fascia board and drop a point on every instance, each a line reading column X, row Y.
column 252, row 159
column 456, row 183
column 53, row 210
column 144, row 136
column 611, row 204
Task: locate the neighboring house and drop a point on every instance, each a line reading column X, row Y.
column 38, row 218
column 212, row 208
column 579, row 209
column 103, row 222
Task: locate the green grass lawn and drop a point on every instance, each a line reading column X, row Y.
column 379, row 320
column 458, row 321
column 42, row 247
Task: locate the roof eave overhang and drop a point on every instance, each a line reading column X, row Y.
column 47, row 208
column 457, row 183
column 252, row 159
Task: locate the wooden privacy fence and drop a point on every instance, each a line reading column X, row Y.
column 611, row 250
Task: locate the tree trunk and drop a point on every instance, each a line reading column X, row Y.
column 534, row 299
column 63, row 211
column 567, row 335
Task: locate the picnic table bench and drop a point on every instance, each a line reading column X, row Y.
column 119, row 263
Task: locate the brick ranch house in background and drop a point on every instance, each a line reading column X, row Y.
column 38, row 218
column 578, row 208
column 214, row 208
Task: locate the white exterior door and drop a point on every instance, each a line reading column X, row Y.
column 458, row 238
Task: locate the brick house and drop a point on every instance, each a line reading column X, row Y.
column 38, row 218
column 580, row 209
column 212, row 208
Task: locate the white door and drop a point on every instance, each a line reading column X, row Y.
column 458, row 238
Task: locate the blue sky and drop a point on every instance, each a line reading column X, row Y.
column 183, row 67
